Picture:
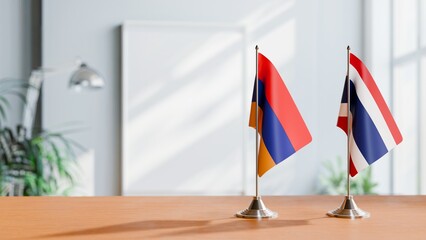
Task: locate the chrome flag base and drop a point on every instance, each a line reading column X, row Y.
column 349, row 209
column 257, row 209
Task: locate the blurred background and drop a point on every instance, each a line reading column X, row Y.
column 172, row 115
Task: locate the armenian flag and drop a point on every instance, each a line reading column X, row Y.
column 281, row 127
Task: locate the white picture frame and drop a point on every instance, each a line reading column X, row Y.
column 173, row 144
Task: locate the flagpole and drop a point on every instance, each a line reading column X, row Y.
column 257, row 208
column 257, row 122
column 348, row 85
column 348, row 209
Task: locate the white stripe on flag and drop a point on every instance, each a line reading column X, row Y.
column 357, row 158
column 372, row 109
column 343, row 112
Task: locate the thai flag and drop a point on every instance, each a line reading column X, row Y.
column 281, row 126
column 374, row 131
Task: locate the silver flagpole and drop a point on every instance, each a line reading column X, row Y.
column 257, row 208
column 349, row 128
column 257, row 121
column 348, row 209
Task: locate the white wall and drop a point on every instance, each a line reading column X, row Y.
column 305, row 39
column 15, row 47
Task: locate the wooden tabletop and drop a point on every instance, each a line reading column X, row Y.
column 301, row 217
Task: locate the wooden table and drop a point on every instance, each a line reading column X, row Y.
column 302, row 217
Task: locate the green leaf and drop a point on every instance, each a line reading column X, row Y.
column 4, row 101
column 30, row 180
column 20, row 95
column 2, row 113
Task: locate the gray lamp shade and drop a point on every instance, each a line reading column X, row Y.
column 86, row 77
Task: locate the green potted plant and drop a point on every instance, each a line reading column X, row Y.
column 333, row 180
column 43, row 164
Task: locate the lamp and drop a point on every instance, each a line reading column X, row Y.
column 86, row 77
column 82, row 77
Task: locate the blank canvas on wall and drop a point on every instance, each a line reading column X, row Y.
column 183, row 109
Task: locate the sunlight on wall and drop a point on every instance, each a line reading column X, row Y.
column 405, row 21
column 266, row 13
column 207, row 50
column 406, row 115
column 85, row 186
column 279, row 44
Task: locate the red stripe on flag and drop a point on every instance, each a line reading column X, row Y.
column 352, row 169
column 342, row 122
column 282, row 104
column 375, row 92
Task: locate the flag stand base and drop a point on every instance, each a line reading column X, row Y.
column 349, row 209
column 257, row 209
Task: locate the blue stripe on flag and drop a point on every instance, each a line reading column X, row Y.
column 273, row 133
column 261, row 93
column 274, row 136
column 345, row 92
column 366, row 135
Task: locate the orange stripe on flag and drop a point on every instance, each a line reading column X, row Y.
column 265, row 159
column 252, row 120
